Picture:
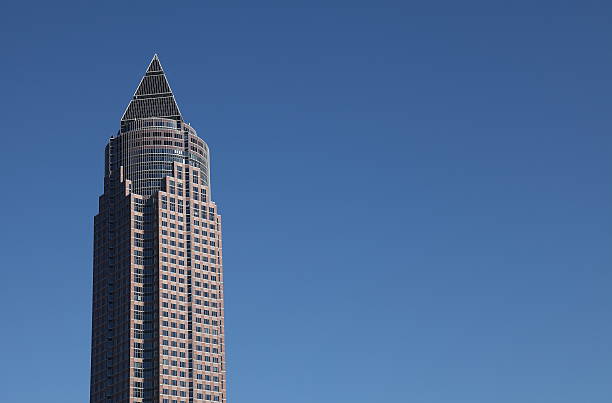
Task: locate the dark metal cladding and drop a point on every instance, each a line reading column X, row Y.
column 153, row 97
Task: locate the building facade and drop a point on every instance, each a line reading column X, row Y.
column 158, row 314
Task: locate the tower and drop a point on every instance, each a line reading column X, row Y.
column 158, row 315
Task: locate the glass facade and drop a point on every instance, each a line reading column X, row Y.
column 147, row 148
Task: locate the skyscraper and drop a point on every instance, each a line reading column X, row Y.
column 158, row 321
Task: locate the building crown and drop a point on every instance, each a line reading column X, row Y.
column 153, row 97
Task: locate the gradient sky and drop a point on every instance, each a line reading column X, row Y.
column 416, row 195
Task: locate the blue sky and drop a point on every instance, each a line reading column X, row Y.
column 416, row 195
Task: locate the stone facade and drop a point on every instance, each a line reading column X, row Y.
column 158, row 314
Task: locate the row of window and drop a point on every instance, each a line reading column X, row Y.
column 171, row 260
column 139, row 124
column 148, row 134
column 197, row 273
column 183, row 364
column 174, row 343
column 198, row 367
column 141, row 143
column 182, row 253
column 176, row 335
column 183, row 326
column 181, row 354
column 184, row 384
column 198, row 396
column 195, row 231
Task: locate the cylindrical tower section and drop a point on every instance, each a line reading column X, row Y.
column 146, row 148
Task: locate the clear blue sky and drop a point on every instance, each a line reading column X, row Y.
column 416, row 195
